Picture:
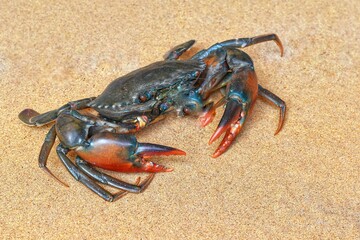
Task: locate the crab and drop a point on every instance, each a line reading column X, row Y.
column 106, row 139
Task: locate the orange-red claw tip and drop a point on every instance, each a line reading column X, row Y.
column 169, row 169
column 216, row 134
column 178, row 152
column 203, row 122
column 206, row 119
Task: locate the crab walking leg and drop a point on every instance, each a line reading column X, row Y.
column 178, row 50
column 45, row 151
column 33, row 118
column 278, row 102
column 111, row 181
column 245, row 42
column 84, row 179
column 240, row 43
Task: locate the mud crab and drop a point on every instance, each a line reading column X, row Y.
column 105, row 139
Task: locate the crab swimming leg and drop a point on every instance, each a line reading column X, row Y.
column 178, row 50
column 33, row 118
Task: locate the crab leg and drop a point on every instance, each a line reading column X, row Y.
column 33, row 118
column 240, row 43
column 84, row 179
column 278, row 102
column 245, row 42
column 111, row 181
column 178, row 50
column 45, row 151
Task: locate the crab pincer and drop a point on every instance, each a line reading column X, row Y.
column 241, row 95
column 123, row 153
column 96, row 143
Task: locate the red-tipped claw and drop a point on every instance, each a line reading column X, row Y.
column 231, row 115
column 123, row 153
column 147, row 150
column 229, row 137
column 231, row 123
column 208, row 116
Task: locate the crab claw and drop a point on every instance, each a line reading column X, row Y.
column 147, row 150
column 229, row 137
column 208, row 115
column 231, row 115
column 232, row 122
column 123, row 153
column 241, row 95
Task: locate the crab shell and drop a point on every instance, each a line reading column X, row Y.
column 150, row 90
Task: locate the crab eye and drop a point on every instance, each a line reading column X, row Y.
column 186, row 110
column 163, row 107
column 143, row 98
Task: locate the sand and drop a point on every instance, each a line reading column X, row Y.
column 300, row 184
